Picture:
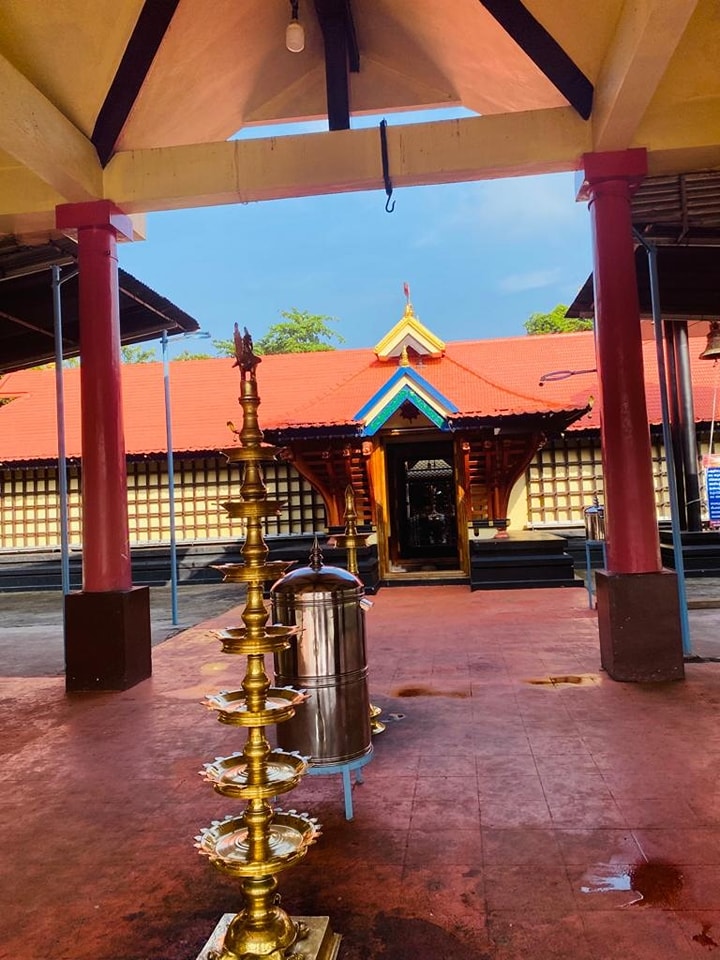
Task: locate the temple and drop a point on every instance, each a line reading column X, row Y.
column 624, row 95
column 470, row 462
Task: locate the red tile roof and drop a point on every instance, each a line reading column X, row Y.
column 483, row 378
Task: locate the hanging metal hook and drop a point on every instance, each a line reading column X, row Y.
column 386, row 167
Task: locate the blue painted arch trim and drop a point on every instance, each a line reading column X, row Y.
column 410, row 374
column 428, row 400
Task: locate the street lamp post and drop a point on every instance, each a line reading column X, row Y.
column 57, row 282
column 164, row 342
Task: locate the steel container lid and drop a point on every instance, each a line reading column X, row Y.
column 316, row 578
column 325, row 580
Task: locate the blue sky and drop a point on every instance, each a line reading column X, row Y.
column 479, row 258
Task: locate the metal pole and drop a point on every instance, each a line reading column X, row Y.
column 673, row 396
column 171, row 481
column 667, row 440
column 687, row 421
column 60, row 408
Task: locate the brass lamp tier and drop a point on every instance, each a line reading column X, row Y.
column 347, row 541
column 231, row 776
column 247, row 509
column 227, row 844
column 240, row 640
column 234, row 706
column 259, row 454
column 244, row 573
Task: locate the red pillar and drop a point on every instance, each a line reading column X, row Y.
column 632, row 532
column 106, row 549
column 107, row 624
column 637, row 601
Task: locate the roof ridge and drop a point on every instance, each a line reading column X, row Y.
column 520, row 336
column 504, row 389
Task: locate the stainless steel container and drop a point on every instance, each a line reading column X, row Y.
column 327, row 659
column 595, row 521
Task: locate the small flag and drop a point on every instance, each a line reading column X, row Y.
column 406, row 288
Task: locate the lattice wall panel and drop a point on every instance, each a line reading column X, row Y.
column 567, row 474
column 30, row 509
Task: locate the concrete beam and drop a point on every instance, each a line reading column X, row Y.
column 39, row 137
column 646, row 38
column 476, row 148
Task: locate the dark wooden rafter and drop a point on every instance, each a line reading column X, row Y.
column 494, row 465
column 545, row 52
column 309, row 471
column 140, row 52
column 342, row 55
column 329, row 468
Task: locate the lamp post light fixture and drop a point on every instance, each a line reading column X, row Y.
column 165, row 342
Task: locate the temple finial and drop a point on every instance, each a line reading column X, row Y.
column 245, row 358
column 316, row 557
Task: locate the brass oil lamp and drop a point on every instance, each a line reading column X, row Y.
column 262, row 840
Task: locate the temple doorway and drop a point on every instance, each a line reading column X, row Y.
column 421, row 483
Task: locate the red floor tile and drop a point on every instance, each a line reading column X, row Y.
column 487, row 805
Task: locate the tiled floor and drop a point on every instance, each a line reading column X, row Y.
column 500, row 817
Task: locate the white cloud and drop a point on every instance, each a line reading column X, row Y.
column 532, row 280
column 524, row 203
column 514, row 208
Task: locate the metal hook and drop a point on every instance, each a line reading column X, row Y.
column 386, row 167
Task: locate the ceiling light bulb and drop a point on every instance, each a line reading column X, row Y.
column 295, row 36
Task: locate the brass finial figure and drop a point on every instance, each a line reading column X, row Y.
column 262, row 840
column 245, row 358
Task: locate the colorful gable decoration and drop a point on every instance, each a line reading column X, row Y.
column 405, row 390
column 409, row 334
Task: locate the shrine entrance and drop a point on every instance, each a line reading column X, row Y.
column 423, row 528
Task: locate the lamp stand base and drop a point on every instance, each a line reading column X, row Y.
column 319, row 944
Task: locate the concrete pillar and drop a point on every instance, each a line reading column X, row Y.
column 107, row 624
column 638, row 612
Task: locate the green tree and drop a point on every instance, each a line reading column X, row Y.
column 225, row 348
column 189, row 355
column 556, row 322
column 129, row 353
column 299, row 332
column 134, row 353
column 69, row 363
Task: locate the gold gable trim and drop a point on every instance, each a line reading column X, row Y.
column 409, row 332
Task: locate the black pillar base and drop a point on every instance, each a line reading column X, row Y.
column 639, row 624
column 107, row 639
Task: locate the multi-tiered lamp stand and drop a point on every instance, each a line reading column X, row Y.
column 261, row 841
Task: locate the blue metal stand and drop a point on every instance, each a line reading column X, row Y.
column 345, row 769
column 588, row 568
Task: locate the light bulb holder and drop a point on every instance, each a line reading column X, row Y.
column 295, row 37
column 295, row 32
